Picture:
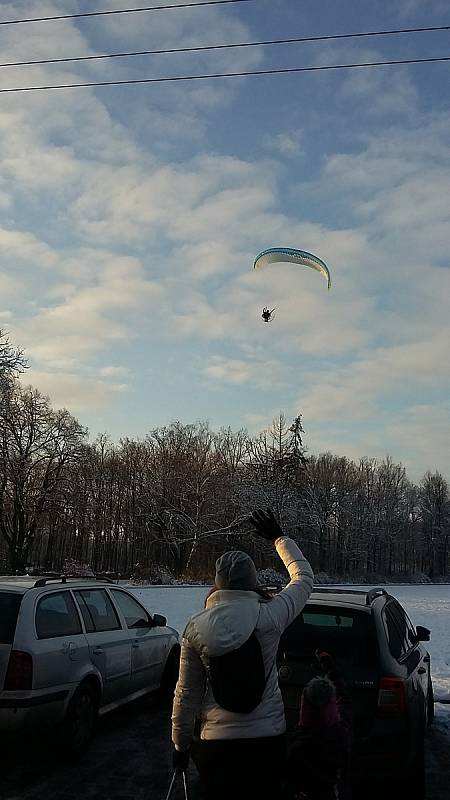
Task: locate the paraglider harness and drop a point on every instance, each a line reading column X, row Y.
column 267, row 315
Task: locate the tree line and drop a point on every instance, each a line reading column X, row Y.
column 181, row 495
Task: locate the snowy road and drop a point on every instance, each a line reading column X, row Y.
column 131, row 757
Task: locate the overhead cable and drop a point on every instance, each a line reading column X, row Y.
column 179, row 78
column 203, row 48
column 122, row 11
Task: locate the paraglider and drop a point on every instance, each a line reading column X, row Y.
column 267, row 315
column 293, row 256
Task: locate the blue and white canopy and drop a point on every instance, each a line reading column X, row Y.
column 293, row 256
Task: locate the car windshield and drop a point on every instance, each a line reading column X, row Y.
column 348, row 635
column 9, row 610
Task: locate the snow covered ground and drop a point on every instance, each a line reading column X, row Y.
column 427, row 605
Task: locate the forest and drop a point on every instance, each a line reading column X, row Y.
column 169, row 503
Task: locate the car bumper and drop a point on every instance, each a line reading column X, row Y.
column 26, row 710
column 383, row 757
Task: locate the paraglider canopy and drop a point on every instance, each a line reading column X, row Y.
column 293, row 256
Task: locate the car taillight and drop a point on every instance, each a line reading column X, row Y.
column 391, row 697
column 19, row 675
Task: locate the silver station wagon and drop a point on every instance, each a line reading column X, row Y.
column 73, row 648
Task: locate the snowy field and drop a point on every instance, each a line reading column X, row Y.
column 427, row 605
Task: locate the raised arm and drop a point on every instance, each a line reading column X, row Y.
column 287, row 605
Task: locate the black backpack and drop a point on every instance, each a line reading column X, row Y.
column 238, row 678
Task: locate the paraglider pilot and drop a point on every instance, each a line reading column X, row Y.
column 267, row 314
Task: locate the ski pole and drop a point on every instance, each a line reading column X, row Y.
column 186, row 796
column 172, row 782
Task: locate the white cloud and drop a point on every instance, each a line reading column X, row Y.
column 24, row 246
column 287, row 143
column 9, row 286
column 422, row 434
column 114, row 372
column 92, row 317
column 77, row 392
column 238, row 372
column 417, row 435
column 380, row 91
column 356, row 391
column 412, row 7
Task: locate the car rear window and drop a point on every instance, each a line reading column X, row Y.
column 9, row 611
column 347, row 634
column 56, row 615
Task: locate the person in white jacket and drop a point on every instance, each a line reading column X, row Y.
column 240, row 754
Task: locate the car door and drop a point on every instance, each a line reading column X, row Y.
column 409, row 658
column 61, row 649
column 109, row 642
column 148, row 642
column 417, row 659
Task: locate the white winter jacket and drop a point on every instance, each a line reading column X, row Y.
column 225, row 624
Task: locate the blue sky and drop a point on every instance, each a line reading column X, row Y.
column 130, row 217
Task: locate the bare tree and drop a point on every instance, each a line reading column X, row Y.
column 12, row 362
column 178, row 497
column 435, row 507
column 276, row 463
column 36, row 446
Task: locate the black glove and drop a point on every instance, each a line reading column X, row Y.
column 266, row 525
column 180, row 760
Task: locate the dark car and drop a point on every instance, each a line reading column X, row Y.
column 386, row 669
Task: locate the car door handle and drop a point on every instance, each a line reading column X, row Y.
column 98, row 651
column 135, row 644
column 421, row 670
column 426, row 659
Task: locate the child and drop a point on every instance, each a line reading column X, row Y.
column 319, row 753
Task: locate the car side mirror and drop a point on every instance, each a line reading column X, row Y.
column 423, row 634
column 159, row 621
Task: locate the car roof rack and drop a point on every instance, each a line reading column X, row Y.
column 64, row 578
column 332, row 590
column 372, row 594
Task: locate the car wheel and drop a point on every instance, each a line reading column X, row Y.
column 430, row 704
column 170, row 675
column 80, row 720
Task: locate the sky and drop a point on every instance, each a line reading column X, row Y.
column 130, row 217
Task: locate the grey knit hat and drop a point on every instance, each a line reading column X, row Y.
column 235, row 570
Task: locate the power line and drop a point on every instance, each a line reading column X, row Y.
column 122, row 11
column 203, row 48
column 176, row 78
